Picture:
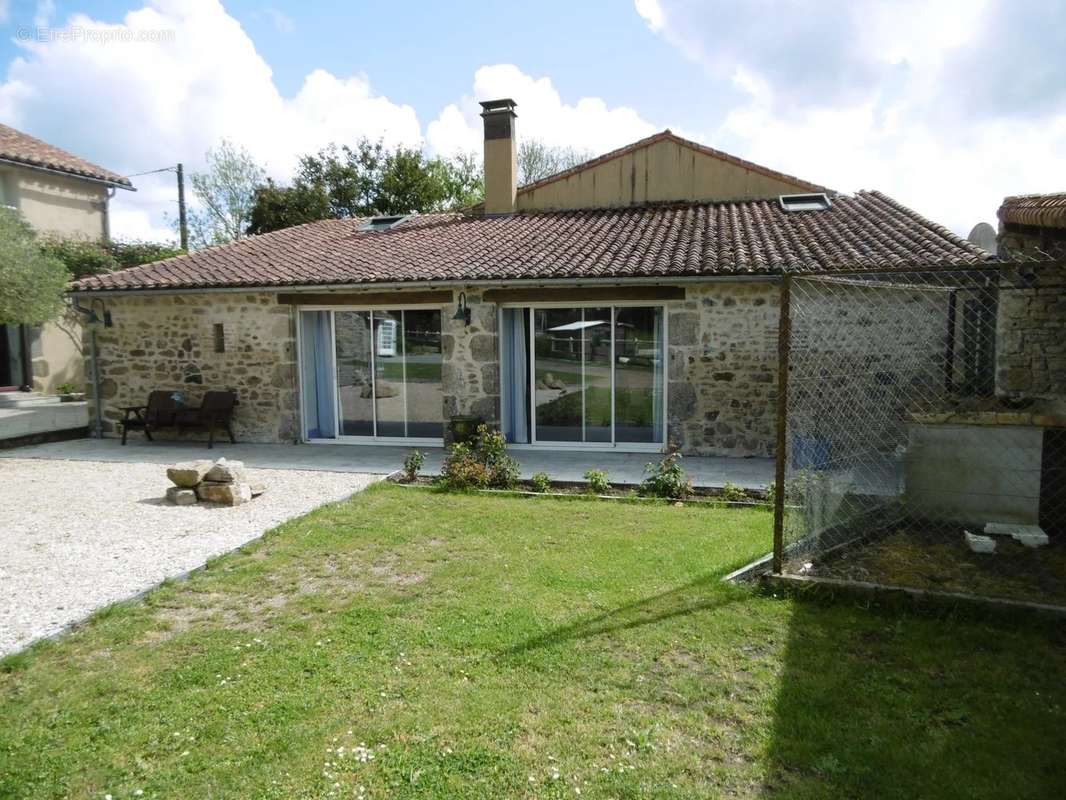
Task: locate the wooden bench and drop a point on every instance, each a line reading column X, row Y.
column 163, row 410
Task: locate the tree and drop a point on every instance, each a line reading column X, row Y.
column 279, row 207
column 226, row 193
column 464, row 180
column 367, row 180
column 537, row 160
column 84, row 257
column 32, row 281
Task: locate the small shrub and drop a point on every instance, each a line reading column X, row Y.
column 412, row 464
column 462, row 470
column 66, row 388
column 598, row 483
column 484, row 464
column 503, row 474
column 666, row 479
column 732, row 493
column 541, row 482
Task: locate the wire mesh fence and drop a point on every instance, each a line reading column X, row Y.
column 924, row 430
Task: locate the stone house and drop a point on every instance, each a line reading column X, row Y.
column 626, row 304
column 60, row 194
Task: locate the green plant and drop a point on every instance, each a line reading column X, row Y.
column 666, row 479
column 732, row 493
column 412, row 464
column 598, row 483
column 484, row 464
column 66, row 388
column 462, row 469
column 770, row 493
column 32, row 281
column 541, row 482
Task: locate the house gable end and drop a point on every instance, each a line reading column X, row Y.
column 663, row 168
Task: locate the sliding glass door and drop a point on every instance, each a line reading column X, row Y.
column 383, row 368
column 597, row 375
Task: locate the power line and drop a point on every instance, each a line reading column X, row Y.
column 183, row 225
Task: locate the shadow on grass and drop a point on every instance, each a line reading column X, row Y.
column 891, row 704
column 703, row 594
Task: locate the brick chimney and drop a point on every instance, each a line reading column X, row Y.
column 501, row 162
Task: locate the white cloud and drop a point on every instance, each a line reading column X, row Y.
column 588, row 124
column 652, row 13
column 945, row 106
column 135, row 106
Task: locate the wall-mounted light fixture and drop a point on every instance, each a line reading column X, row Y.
column 463, row 310
column 90, row 313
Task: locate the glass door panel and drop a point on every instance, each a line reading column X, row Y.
column 596, row 335
column 638, row 382
column 355, row 385
column 389, row 374
column 557, row 378
column 424, row 391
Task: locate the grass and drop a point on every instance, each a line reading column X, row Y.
column 478, row 647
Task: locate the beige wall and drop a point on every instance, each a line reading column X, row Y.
column 69, row 207
column 56, row 351
column 55, row 203
column 663, row 171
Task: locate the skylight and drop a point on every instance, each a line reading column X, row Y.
column 382, row 223
column 805, row 202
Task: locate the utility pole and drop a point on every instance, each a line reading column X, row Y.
column 183, row 226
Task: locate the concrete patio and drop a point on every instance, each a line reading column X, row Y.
column 563, row 465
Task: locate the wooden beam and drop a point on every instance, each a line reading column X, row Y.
column 437, row 297
column 585, row 294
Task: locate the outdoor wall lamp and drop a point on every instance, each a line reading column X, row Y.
column 106, row 314
column 90, row 314
column 463, row 311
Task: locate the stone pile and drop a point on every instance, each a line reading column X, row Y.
column 208, row 481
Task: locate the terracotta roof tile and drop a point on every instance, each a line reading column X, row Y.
column 25, row 149
column 754, row 237
column 1041, row 210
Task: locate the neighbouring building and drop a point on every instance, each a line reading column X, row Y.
column 58, row 194
column 628, row 303
column 1031, row 351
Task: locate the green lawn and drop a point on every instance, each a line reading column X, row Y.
column 489, row 647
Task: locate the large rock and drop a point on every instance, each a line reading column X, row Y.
column 225, row 471
column 188, row 473
column 181, row 497
column 230, row 494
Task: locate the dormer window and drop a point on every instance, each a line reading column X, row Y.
column 805, row 202
column 382, row 223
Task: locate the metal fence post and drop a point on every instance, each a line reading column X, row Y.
column 784, row 336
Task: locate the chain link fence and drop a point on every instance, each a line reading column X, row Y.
column 923, row 442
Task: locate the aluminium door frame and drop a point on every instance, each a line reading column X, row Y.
column 613, row 446
column 374, row 439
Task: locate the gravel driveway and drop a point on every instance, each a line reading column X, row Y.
column 79, row 535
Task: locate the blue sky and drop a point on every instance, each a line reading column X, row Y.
column 947, row 105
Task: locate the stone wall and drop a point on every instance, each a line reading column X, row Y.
column 864, row 357
column 471, row 369
column 722, row 369
column 168, row 342
column 1031, row 336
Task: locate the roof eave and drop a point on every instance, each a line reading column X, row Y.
column 66, row 173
